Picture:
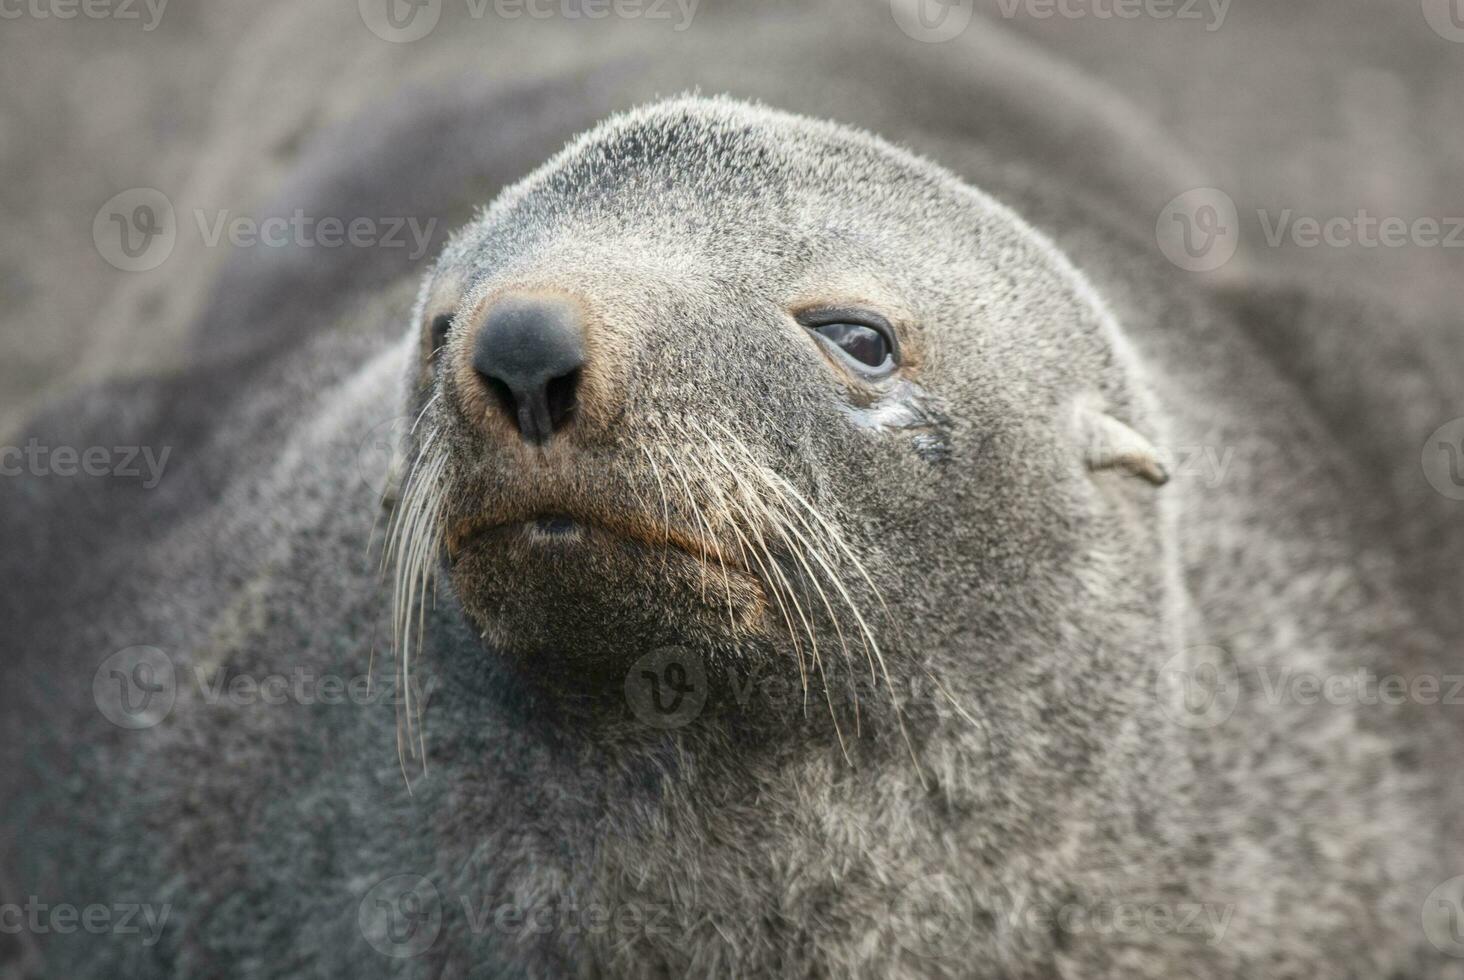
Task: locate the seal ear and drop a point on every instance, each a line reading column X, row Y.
column 1110, row 444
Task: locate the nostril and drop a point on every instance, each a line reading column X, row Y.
column 560, row 394
column 502, row 394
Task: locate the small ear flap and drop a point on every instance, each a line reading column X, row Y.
column 1110, row 444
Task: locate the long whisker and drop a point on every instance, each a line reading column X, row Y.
column 738, row 505
column 701, row 518
column 744, row 500
column 871, row 643
column 802, row 550
column 797, row 550
column 410, row 432
column 798, row 506
column 665, row 505
column 414, row 539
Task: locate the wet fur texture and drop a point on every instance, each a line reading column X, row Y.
column 1020, row 753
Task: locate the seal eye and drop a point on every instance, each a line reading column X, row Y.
column 441, row 324
column 865, row 342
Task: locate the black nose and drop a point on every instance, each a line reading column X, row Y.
column 529, row 354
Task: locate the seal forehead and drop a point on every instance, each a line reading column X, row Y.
column 734, row 190
column 713, row 159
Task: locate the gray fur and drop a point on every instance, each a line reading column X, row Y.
column 1022, row 754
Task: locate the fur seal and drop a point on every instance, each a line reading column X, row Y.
column 788, row 569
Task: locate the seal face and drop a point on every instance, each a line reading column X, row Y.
column 726, row 378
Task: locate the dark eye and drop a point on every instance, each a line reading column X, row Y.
column 441, row 324
column 867, row 345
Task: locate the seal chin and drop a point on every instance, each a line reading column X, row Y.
column 588, row 591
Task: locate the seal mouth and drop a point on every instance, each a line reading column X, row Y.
column 555, row 525
column 547, row 530
column 568, row 528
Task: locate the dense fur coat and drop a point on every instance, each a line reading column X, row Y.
column 1099, row 483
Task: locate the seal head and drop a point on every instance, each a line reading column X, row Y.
column 721, row 377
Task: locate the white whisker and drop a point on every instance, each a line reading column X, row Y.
column 414, row 539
